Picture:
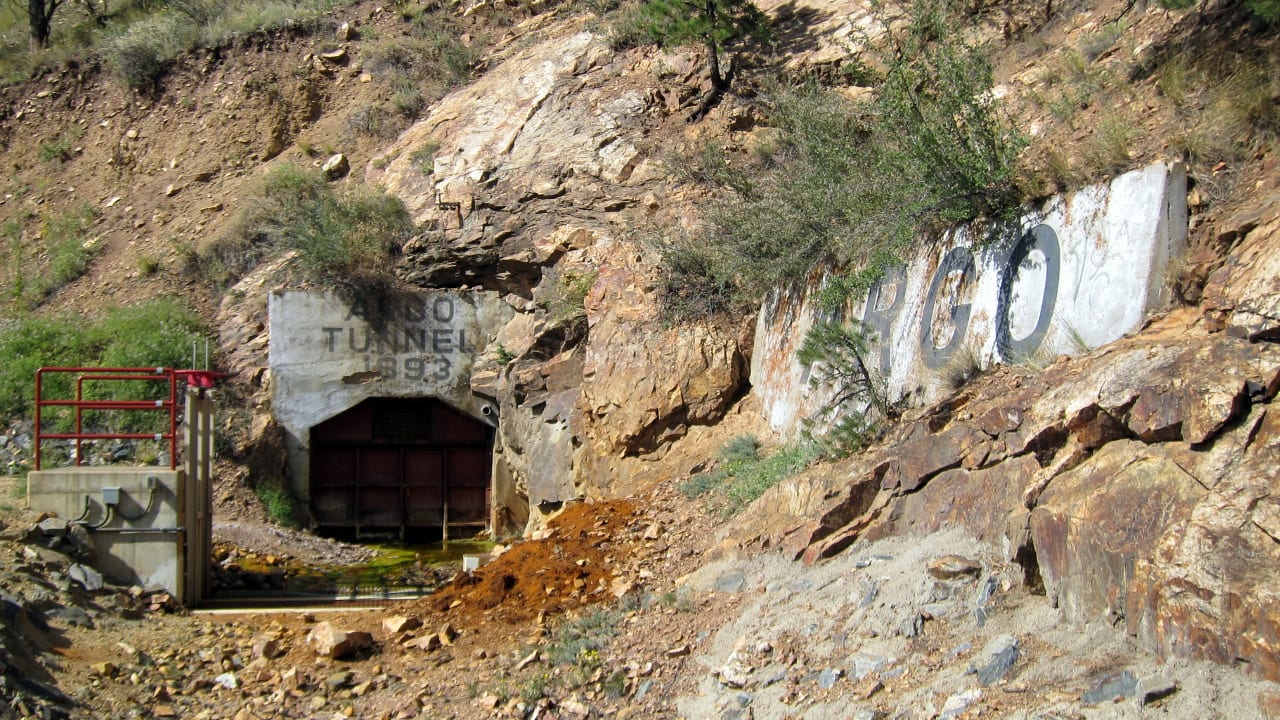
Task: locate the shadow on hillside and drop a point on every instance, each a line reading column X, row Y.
column 793, row 28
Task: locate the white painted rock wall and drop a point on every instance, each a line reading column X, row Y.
column 326, row 357
column 1085, row 270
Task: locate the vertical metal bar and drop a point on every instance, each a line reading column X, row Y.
column 79, row 415
column 355, row 511
column 39, row 403
column 173, row 419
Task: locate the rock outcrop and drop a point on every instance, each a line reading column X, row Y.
column 1133, row 485
column 528, row 182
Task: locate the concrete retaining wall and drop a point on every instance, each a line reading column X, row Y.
column 1085, row 270
column 136, row 546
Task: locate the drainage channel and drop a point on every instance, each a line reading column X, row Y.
column 341, row 598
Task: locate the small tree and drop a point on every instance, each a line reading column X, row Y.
column 714, row 23
column 40, row 18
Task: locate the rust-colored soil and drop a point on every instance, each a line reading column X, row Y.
column 571, row 566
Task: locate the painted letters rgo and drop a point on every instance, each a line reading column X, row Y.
column 1082, row 271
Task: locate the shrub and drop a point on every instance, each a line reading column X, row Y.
column 158, row 333
column 751, row 480
column 744, row 474
column 280, row 504
column 341, row 236
column 424, row 158
column 853, row 183
column 1108, row 147
column 580, row 641
column 57, row 149
column 70, row 252
column 141, row 54
column 371, row 120
column 567, row 305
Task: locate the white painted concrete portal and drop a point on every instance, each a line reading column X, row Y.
column 326, row 356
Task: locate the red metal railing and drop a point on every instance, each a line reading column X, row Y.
column 80, row 404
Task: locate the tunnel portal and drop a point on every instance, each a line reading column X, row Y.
column 403, row 467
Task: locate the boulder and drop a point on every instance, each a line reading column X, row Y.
column 328, row 641
column 1095, row 522
column 336, row 166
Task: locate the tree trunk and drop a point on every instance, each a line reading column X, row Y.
column 713, row 62
column 40, row 17
column 713, row 52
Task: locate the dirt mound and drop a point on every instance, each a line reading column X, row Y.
column 568, row 567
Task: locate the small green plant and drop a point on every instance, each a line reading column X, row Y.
column 1093, row 45
column 678, row 601
column 58, row 149
column 743, row 474
column 581, row 640
column 69, row 252
column 836, row 353
column 280, row 504
column 148, row 265
column 424, row 158
column 408, row 99
column 372, row 121
column 535, row 688
column 965, row 364
column 1108, row 149
column 503, row 355
column 1057, row 169
column 567, row 304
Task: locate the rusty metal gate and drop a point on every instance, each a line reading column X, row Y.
column 408, row 466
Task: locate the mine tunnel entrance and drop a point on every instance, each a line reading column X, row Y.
column 411, row 468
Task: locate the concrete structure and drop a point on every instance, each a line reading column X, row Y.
column 149, row 525
column 1084, row 270
column 346, row 383
column 134, row 515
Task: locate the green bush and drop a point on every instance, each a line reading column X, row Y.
column 567, row 305
column 579, row 641
column 744, row 474
column 158, row 333
column 341, row 236
column 58, row 149
column 280, row 504
column 854, row 184
column 70, row 251
column 141, row 53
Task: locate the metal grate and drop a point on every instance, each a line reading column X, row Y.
column 401, row 426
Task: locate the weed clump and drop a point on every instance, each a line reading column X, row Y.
column 343, row 237
column 744, row 474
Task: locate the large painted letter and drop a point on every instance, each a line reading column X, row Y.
column 959, row 260
column 1042, row 238
column 881, row 319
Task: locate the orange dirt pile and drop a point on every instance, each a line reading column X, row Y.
column 571, row 566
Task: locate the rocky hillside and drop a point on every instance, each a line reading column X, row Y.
column 1033, row 546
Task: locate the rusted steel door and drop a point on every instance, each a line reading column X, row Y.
column 394, row 464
